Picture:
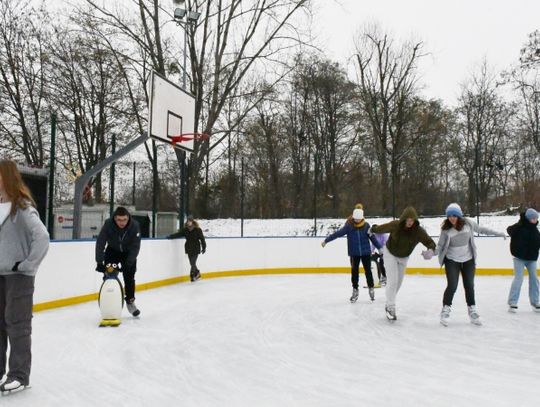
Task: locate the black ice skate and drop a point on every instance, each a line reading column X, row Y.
column 132, row 308
column 391, row 313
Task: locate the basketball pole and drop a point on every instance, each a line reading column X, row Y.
column 52, row 166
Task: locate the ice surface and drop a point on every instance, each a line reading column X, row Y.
column 292, row 340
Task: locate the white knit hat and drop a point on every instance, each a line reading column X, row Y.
column 358, row 214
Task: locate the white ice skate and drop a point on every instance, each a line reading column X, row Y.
column 132, row 308
column 371, row 293
column 473, row 315
column 12, row 386
column 445, row 315
column 391, row 313
column 354, row 295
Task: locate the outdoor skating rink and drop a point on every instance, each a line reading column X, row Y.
column 289, row 340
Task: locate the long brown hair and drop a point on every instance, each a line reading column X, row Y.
column 447, row 225
column 14, row 187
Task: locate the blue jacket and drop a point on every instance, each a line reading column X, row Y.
column 357, row 239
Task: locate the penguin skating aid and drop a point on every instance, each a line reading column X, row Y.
column 111, row 297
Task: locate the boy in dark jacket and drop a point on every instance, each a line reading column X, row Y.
column 119, row 241
column 524, row 246
column 194, row 241
column 359, row 248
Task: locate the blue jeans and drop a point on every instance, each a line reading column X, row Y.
column 519, row 266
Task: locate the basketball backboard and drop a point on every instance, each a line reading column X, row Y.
column 171, row 112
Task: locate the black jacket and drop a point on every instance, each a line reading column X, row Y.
column 127, row 240
column 524, row 239
column 194, row 239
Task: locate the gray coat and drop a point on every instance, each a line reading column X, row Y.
column 444, row 239
column 23, row 239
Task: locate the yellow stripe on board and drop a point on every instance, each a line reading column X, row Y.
column 252, row 272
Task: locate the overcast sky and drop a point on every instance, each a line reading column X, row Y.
column 458, row 34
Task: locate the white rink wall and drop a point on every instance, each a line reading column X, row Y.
column 68, row 270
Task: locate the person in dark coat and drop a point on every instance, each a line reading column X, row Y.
column 524, row 246
column 195, row 244
column 359, row 249
column 119, row 241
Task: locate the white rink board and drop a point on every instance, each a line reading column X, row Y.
column 68, row 269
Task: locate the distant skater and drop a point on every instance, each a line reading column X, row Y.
column 359, row 249
column 457, row 252
column 378, row 258
column 195, row 245
column 524, row 246
column 405, row 234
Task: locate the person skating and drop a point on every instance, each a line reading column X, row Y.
column 359, row 249
column 524, row 246
column 457, row 252
column 377, row 257
column 119, row 241
column 405, row 234
column 195, row 244
column 24, row 242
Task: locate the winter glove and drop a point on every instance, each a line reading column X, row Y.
column 203, row 251
column 323, row 243
column 100, row 267
column 16, row 266
column 427, row 254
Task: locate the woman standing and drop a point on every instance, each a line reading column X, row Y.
column 457, row 252
column 524, row 246
column 405, row 234
column 194, row 241
column 24, row 242
column 359, row 249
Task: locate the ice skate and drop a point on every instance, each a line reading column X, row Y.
column 391, row 313
column 371, row 293
column 354, row 295
column 383, row 281
column 536, row 308
column 12, row 386
column 132, row 308
column 473, row 315
column 445, row 315
column 513, row 308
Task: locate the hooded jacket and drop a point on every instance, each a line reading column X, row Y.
column 524, row 239
column 403, row 240
column 126, row 240
column 23, row 240
column 357, row 238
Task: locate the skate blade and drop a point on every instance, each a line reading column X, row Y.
column 512, row 310
column 444, row 323
column 476, row 322
column 110, row 322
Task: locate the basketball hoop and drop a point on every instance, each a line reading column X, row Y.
column 187, row 137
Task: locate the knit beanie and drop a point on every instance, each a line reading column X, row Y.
column 358, row 214
column 531, row 214
column 454, row 210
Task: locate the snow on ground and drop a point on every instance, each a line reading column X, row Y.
column 291, row 340
column 305, row 227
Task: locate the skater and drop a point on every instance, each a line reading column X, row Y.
column 119, row 241
column 195, row 245
column 377, row 257
column 457, row 252
column 24, row 242
column 524, row 246
column 359, row 249
column 405, row 234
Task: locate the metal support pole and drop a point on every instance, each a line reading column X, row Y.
column 52, row 167
column 242, row 199
column 134, row 184
column 184, row 26
column 315, row 197
column 112, row 178
column 155, row 188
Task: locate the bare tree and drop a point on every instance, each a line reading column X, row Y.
column 387, row 80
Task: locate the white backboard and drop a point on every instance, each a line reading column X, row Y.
column 171, row 111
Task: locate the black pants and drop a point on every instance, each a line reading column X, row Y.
column 379, row 261
column 355, row 264
column 453, row 269
column 193, row 263
column 16, row 300
column 112, row 256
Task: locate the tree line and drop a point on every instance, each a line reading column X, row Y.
column 292, row 132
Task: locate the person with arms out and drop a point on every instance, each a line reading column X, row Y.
column 195, row 244
column 119, row 241
column 457, row 252
column 524, row 246
column 405, row 234
column 24, row 242
column 359, row 249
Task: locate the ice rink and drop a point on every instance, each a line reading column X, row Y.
column 291, row 340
